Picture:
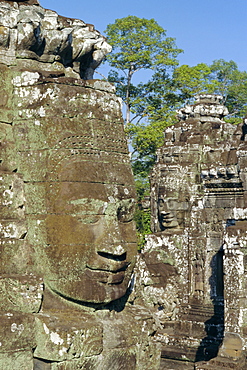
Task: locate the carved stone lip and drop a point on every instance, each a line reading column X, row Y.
column 169, row 218
column 107, row 262
column 108, row 268
column 106, row 277
column 112, row 256
column 120, row 267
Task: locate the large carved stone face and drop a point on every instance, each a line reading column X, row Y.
column 79, row 189
column 91, row 243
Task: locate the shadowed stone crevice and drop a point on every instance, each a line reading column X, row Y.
column 214, row 327
column 40, row 364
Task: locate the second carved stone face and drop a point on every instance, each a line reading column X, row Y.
column 167, row 213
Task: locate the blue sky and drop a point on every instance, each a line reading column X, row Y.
column 205, row 30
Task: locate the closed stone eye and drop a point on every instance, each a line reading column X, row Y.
column 125, row 213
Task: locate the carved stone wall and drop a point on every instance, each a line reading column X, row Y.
column 31, row 34
column 199, row 220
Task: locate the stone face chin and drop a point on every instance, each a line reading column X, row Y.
column 90, row 289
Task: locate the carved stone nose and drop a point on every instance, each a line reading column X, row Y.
column 164, row 207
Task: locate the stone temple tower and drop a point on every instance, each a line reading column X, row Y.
column 199, row 223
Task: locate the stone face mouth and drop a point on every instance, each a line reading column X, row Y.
column 167, row 217
column 114, row 257
column 106, row 277
column 111, row 273
column 116, row 269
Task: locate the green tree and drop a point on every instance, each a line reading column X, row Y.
column 232, row 85
column 190, row 81
column 138, row 44
column 221, row 77
column 141, row 44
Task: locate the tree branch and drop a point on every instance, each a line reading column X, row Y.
column 106, row 78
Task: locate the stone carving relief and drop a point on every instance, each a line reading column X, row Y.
column 198, row 278
column 68, row 240
column 198, row 209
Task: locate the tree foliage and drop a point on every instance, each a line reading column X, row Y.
column 232, row 84
column 221, row 77
column 138, row 44
column 190, row 81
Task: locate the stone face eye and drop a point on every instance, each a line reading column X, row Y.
column 125, row 212
column 160, row 203
column 90, row 219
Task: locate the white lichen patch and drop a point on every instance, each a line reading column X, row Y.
column 62, row 351
column 239, row 213
column 17, row 328
column 111, row 199
column 56, row 339
column 8, row 195
column 119, row 250
column 22, row 93
column 12, row 230
column 143, row 273
column 9, row 315
column 27, row 78
column 47, row 331
column 41, row 112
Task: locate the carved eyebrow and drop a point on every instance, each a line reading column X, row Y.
column 91, row 206
column 100, row 207
column 86, row 201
